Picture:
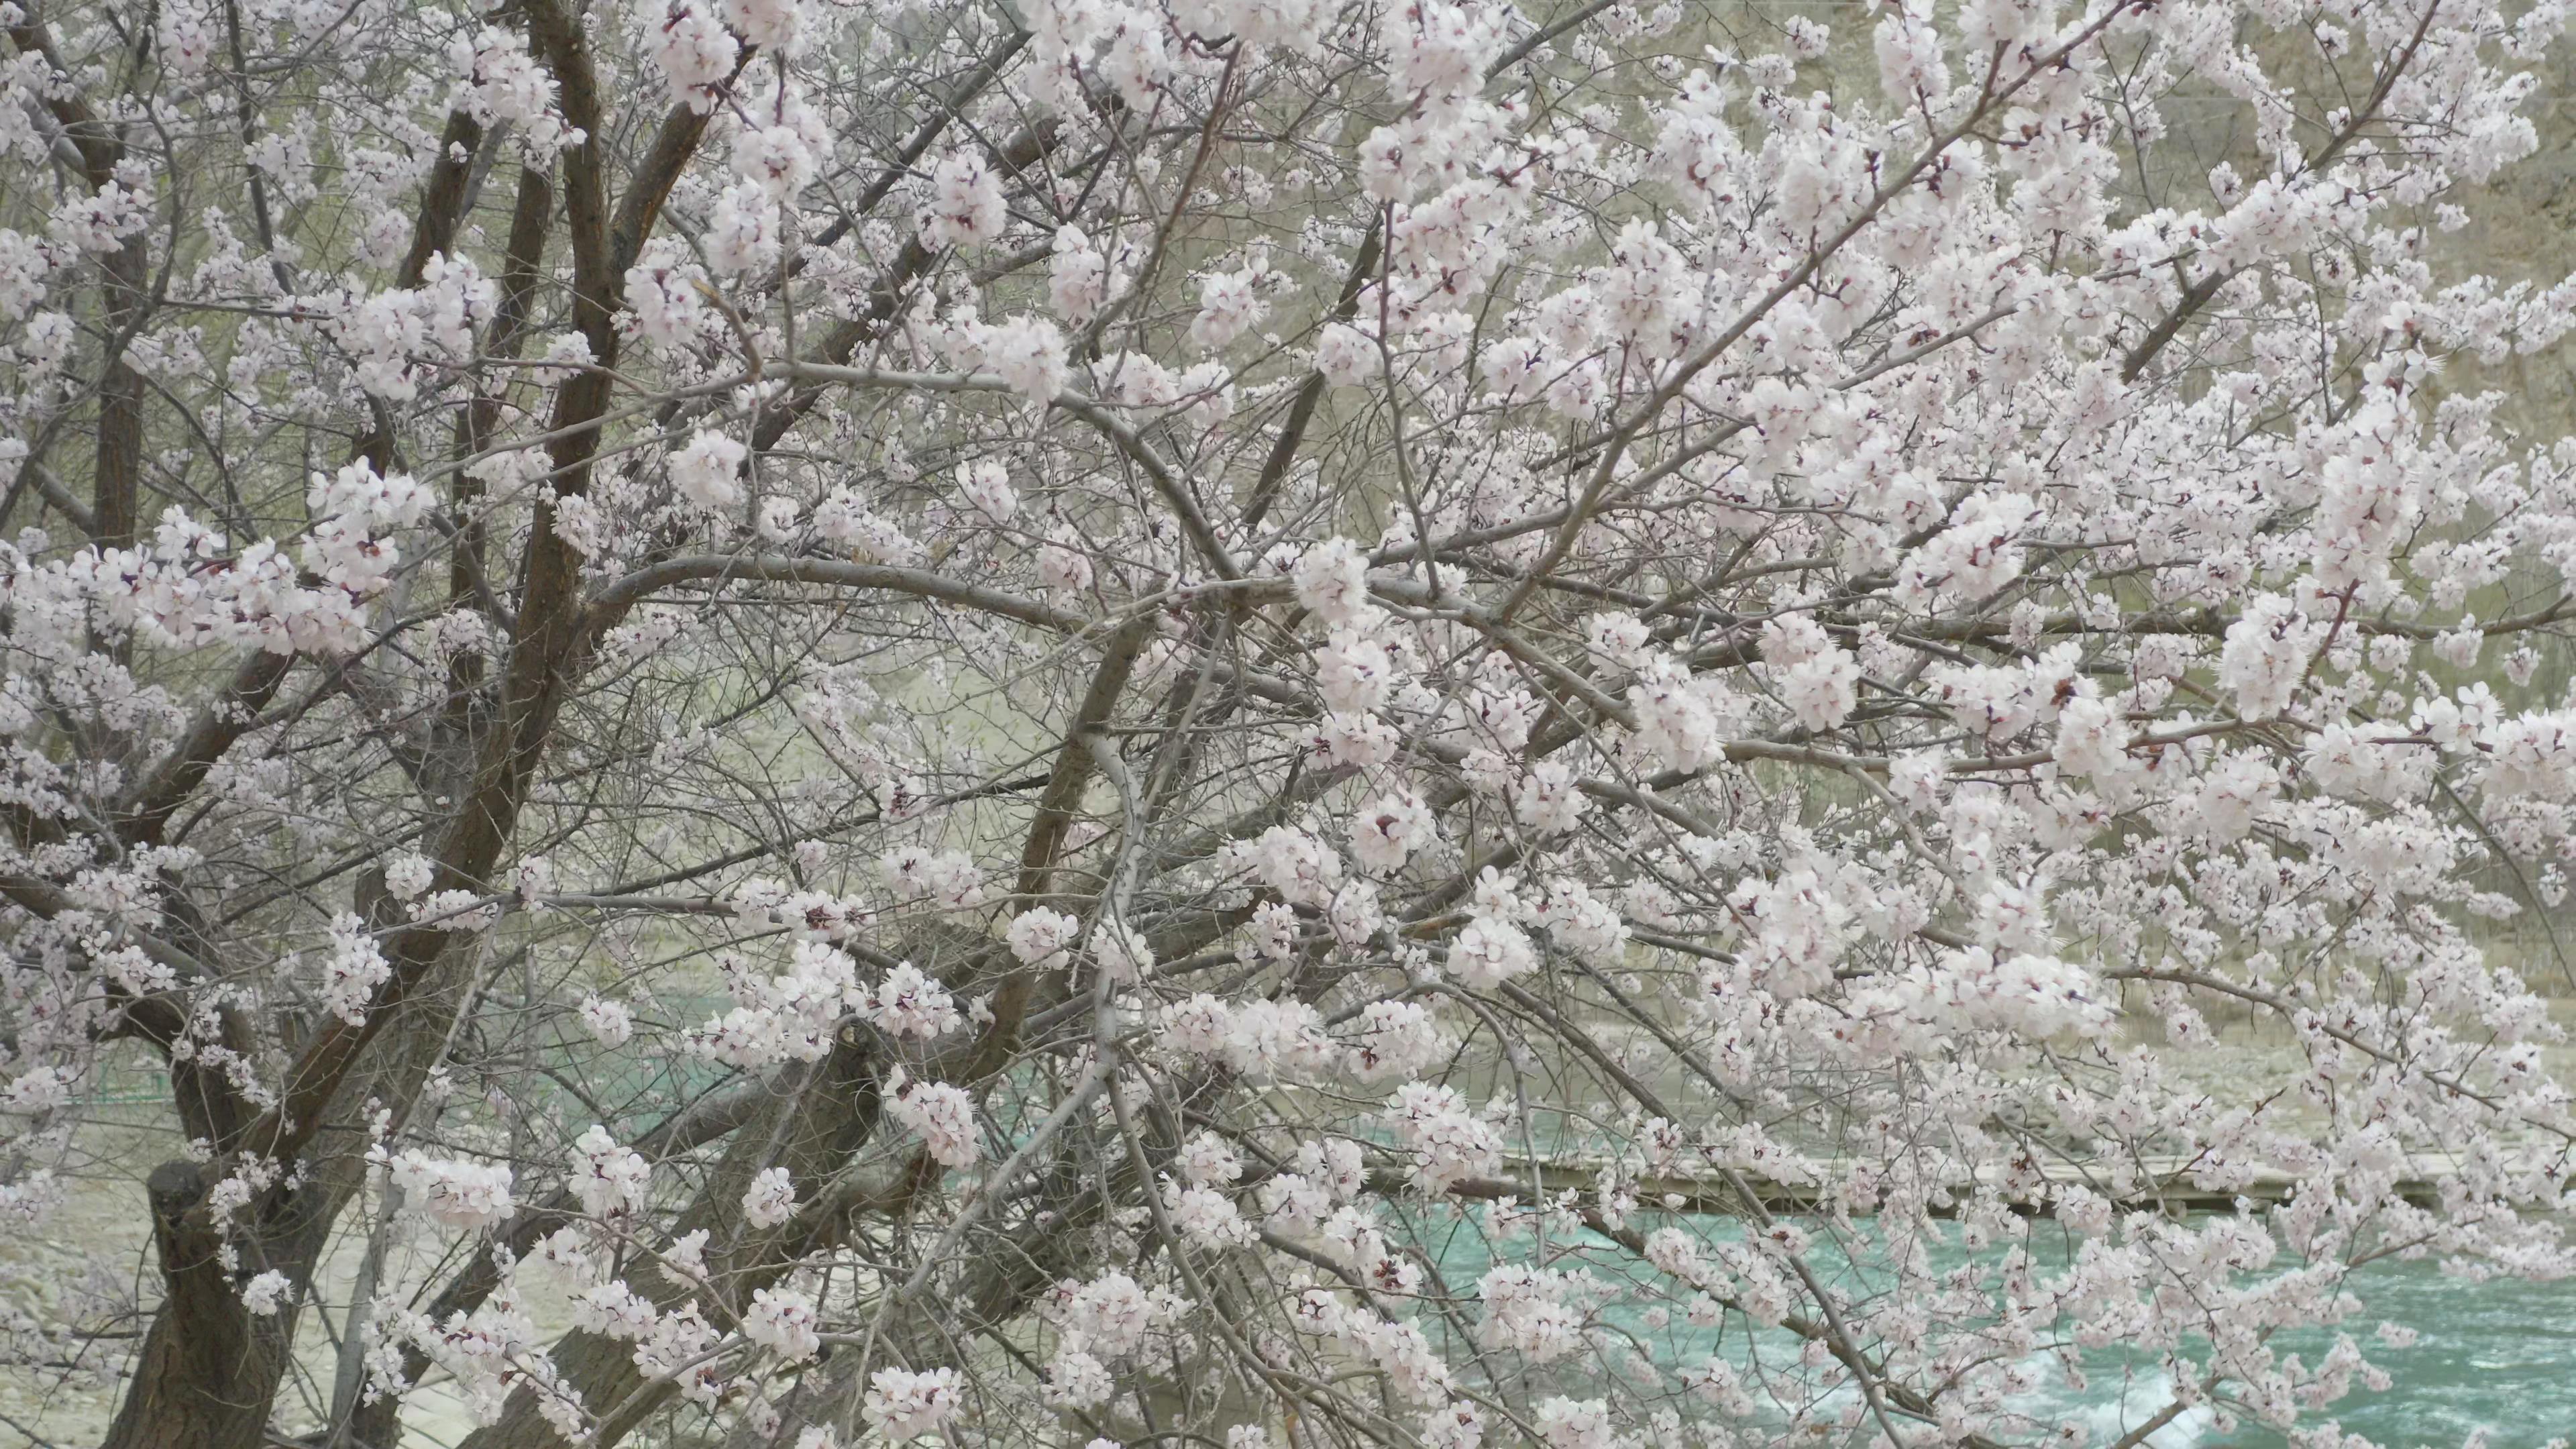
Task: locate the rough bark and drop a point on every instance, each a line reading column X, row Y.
column 209, row 1366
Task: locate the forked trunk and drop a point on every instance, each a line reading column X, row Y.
column 210, row 1367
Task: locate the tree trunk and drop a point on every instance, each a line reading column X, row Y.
column 210, row 1367
column 116, row 498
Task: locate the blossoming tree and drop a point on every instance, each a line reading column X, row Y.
column 1272, row 722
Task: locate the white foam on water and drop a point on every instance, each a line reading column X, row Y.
column 2111, row 1408
column 2108, row 1409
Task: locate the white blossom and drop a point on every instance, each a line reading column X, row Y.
column 784, row 1323
column 965, row 205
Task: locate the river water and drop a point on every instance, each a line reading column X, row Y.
column 2493, row 1358
column 2497, row 1357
